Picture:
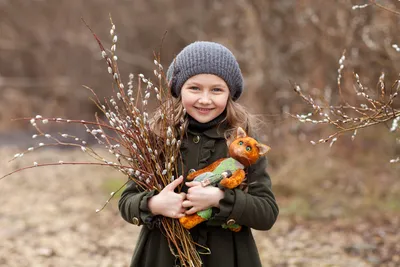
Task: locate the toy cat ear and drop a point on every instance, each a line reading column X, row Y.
column 263, row 149
column 240, row 133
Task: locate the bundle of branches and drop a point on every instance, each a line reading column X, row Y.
column 147, row 157
column 374, row 107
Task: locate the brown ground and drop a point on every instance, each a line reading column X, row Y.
column 47, row 218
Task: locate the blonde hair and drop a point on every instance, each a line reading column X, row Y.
column 236, row 116
column 172, row 111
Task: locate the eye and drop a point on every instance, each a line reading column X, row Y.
column 217, row 90
column 194, row 88
column 248, row 148
column 240, row 143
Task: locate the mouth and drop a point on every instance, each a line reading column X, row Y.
column 205, row 110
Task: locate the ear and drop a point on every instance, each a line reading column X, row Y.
column 263, row 149
column 240, row 133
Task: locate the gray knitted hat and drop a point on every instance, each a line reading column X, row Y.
column 205, row 58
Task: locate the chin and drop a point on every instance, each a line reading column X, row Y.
column 203, row 120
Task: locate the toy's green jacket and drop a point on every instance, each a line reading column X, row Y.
column 255, row 209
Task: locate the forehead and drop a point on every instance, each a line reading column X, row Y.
column 206, row 79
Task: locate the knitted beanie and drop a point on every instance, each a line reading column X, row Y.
column 205, row 58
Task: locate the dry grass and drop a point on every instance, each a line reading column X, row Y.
column 334, row 209
column 348, row 180
column 48, row 215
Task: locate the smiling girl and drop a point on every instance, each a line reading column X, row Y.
column 205, row 80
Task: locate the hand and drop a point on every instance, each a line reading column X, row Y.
column 200, row 198
column 168, row 203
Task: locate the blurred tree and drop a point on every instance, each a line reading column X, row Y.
column 46, row 52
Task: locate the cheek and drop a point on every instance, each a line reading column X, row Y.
column 187, row 101
column 184, row 104
column 222, row 102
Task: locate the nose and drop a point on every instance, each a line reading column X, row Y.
column 205, row 98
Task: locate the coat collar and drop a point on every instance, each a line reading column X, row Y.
column 216, row 132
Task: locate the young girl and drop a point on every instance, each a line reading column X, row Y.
column 206, row 80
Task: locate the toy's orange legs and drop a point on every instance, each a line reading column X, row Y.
column 190, row 221
column 209, row 168
column 236, row 229
column 235, row 180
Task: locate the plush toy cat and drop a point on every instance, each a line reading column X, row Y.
column 228, row 172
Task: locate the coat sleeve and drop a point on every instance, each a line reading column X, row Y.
column 134, row 208
column 256, row 208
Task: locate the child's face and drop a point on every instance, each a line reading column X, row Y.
column 204, row 97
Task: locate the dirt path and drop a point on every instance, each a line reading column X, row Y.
column 47, row 218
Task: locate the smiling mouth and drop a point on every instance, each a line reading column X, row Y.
column 203, row 109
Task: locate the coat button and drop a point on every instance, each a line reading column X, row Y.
column 135, row 221
column 191, row 171
column 196, row 139
column 231, row 222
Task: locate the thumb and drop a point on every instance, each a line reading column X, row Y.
column 172, row 185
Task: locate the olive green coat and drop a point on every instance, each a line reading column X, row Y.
column 255, row 209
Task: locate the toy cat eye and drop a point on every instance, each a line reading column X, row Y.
column 240, row 142
column 248, row 148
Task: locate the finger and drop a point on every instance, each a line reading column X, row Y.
column 187, row 204
column 180, row 215
column 191, row 211
column 172, row 185
column 193, row 183
column 182, row 211
column 183, row 195
column 193, row 191
column 175, row 214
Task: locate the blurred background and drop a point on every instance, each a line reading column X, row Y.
column 47, row 54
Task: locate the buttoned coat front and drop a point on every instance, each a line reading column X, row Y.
column 256, row 208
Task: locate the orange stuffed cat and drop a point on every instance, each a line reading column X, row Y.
column 228, row 172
